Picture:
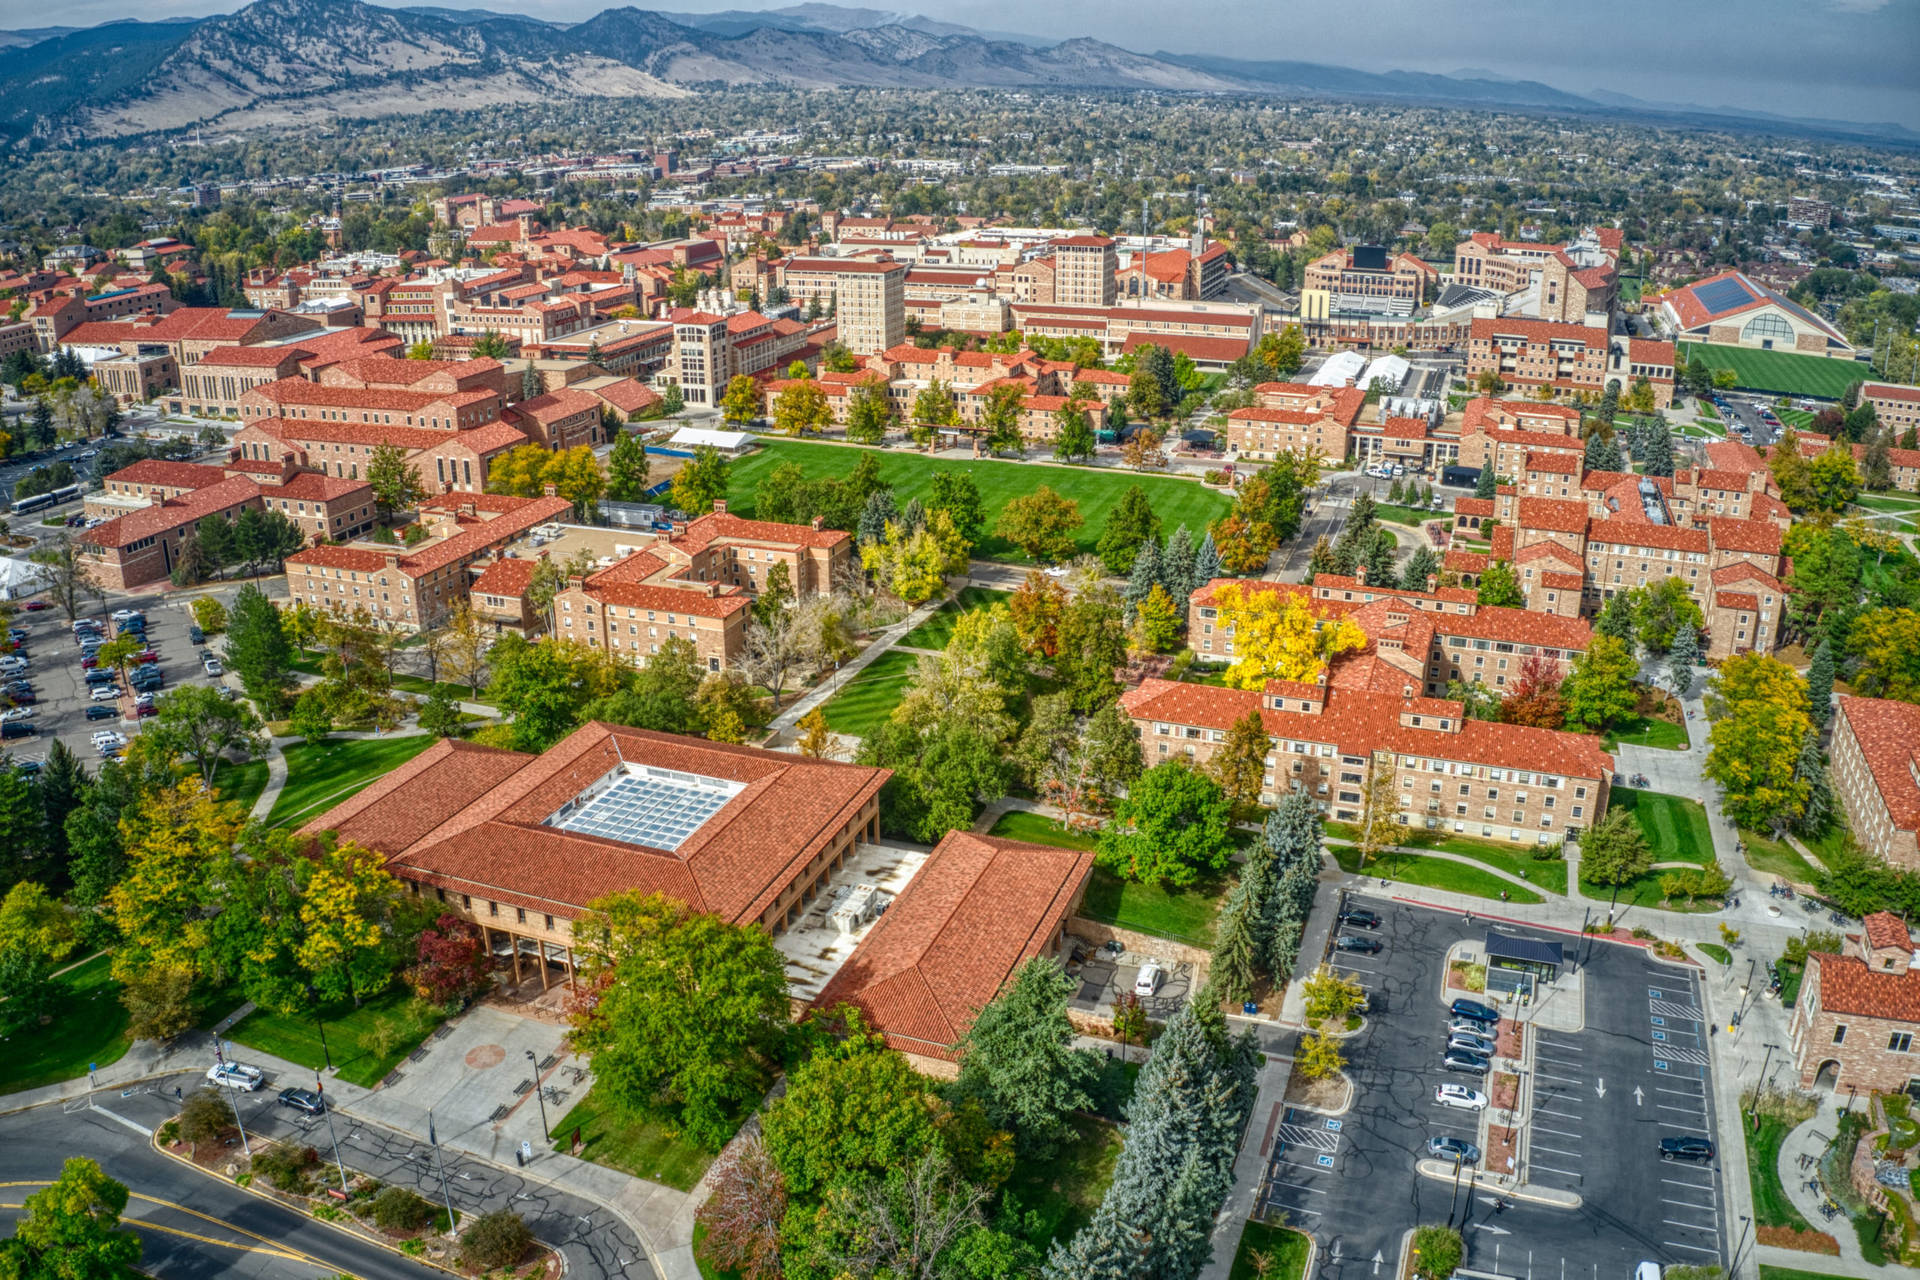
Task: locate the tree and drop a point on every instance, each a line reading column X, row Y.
column 747, row 1198
column 63, row 788
column 1684, row 657
column 801, row 408
column 1885, row 646
column 1244, row 545
column 1006, row 403
column 71, row 1229
column 174, row 841
column 453, row 962
column 1018, row 1059
column 1599, row 692
column 742, row 401
column 1142, row 450
column 955, row 493
column 682, row 1010
column 1617, row 616
column 257, row 649
column 1792, row 472
column 1380, row 809
column 395, row 483
column 1278, row 636
column 468, row 639
column 1156, row 622
column 1655, row 450
column 851, row 1108
column 197, row 723
column 934, row 408
column 701, row 480
column 1282, row 353
column 1820, row 674
column 627, row 469
column 1603, row 454
column 1240, row 763
column 1440, row 1251
column 1810, row 771
column 1041, row 524
column 1170, row 828
column 66, row 579
column 1757, row 707
column 1330, row 996
column 495, row 1241
column 869, row 412
column 673, row 401
column 1073, row 435
column 1614, row 851
column 1534, row 698
column 1832, row 480
column 1421, row 571
column 1486, row 486
column 345, row 907
column 1318, row 1057
column 816, row 739
column 1499, row 588
column 1662, row 609
column 1131, row 524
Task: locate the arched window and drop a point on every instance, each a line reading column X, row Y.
column 1767, row 327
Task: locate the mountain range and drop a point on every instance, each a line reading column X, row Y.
column 281, row 63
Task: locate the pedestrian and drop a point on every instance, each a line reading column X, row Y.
column 176, row 1093
column 1503, row 895
column 1469, row 917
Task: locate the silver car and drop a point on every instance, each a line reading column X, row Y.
column 1472, row 1044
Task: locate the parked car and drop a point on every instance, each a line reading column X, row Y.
column 104, row 693
column 141, row 710
column 1360, row 919
column 16, row 713
column 1471, row 1043
column 98, row 712
column 212, row 667
column 195, row 635
column 147, row 656
column 22, row 699
column 12, row 665
column 1352, row 942
column 1688, row 1148
column 1467, row 1063
column 304, row 1100
column 101, row 675
column 89, row 659
column 236, row 1075
column 1456, row 1150
column 1467, row 1026
column 1464, row 1008
column 35, row 606
column 1148, row 980
column 1460, row 1096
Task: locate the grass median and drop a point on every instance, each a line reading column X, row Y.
column 322, row 774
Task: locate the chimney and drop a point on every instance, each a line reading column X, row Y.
column 470, row 509
column 679, row 528
column 1360, row 574
column 1433, row 582
column 549, row 490
column 819, row 523
column 719, row 506
column 1406, row 691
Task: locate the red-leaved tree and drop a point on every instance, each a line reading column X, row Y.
column 453, row 961
column 1535, row 697
column 742, row 1216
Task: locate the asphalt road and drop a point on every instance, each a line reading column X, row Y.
column 1604, row 1097
column 193, row 1227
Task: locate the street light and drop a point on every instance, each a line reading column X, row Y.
column 544, row 1131
column 326, row 1108
column 1754, row 1113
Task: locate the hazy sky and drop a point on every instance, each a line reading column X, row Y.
column 1843, row 59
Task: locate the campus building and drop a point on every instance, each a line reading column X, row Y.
column 1733, row 309
column 1858, row 1015
column 1875, row 766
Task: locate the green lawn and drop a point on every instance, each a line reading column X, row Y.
column 937, row 630
column 1793, row 1273
column 1771, row 1208
column 1098, row 491
column 322, row 774
column 1434, row 873
column 1897, row 506
column 1778, row 858
column 1286, row 1248
column 1705, row 413
column 297, row 1038
column 1647, row 731
column 1517, row 860
column 1645, row 892
column 1058, row 1196
column 632, row 1144
column 240, row 783
column 1184, row 915
column 1716, row 952
column 869, row 695
column 1675, row 827
column 1415, row 516
column 89, row 1025
column 1780, row 372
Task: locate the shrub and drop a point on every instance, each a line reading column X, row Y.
column 400, row 1209
column 205, row 1117
column 1438, row 1252
column 286, row 1166
column 169, row 1133
column 495, row 1240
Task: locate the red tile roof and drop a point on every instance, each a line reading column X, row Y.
column 691, row 599
column 1889, row 391
column 505, row 578
column 1848, row 986
column 1533, row 331
column 714, row 526
column 1888, row 732
column 1557, row 463
column 172, row 475
column 1553, row 515
column 1196, row 346
column 252, row 357
column 556, row 406
column 1885, row 929
column 314, row 487
column 977, row 910
column 1762, row 537
column 173, row 513
column 1643, row 533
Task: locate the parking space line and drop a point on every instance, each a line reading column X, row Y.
column 1697, row 1186
column 1557, row 1151
column 1684, row 1093
column 1312, row 1191
column 1541, row 1075
column 1538, row 1167
column 1691, row 1226
column 1690, row 1111
column 1688, row 1204
column 1675, row 1244
column 1540, row 1128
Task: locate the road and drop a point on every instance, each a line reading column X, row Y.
column 193, row 1227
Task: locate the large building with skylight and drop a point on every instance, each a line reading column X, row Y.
column 1734, row 310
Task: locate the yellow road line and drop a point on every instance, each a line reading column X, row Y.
column 142, row 1224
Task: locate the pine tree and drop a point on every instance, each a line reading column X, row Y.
column 1176, row 565
column 1603, row 454
column 1424, row 563
column 913, row 516
column 1820, row 684
column 1378, row 556
column 1616, row 618
column 1206, row 562
column 1321, row 559
column 1394, row 493
column 1656, row 450
column 63, row 788
column 880, row 508
column 1018, row 1059
column 530, row 382
column 1487, row 485
column 1812, row 770
column 1684, row 656
column 1234, row 946
column 1145, row 577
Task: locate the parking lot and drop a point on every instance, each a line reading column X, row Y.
column 1593, row 1113
column 59, row 689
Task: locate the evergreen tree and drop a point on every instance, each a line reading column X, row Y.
column 1321, row 559
column 880, row 508
column 1378, row 555
column 1616, row 618
column 1145, row 577
column 1684, row 656
column 1656, row 448
column 1603, row 454
column 1876, row 465
column 63, row 788
column 1809, row 768
column 627, row 468
column 1176, row 566
column 1820, row 684
column 1234, row 945
column 1018, row 1059
column 1424, row 563
column 530, row 383
column 1487, row 485
column 1131, row 526
column 1206, row 562
column 1360, row 516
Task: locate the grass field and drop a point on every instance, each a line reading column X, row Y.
column 1675, row 827
column 1793, row 1273
column 1647, row 731
column 325, row 773
column 870, row 694
column 1778, row 858
column 1780, row 372
column 1185, row 915
column 1715, row 952
column 1098, row 491
column 1285, row 1249
column 89, row 1025
column 1898, row 505
column 632, row 1144
column 1435, row 873
column 240, row 783
column 1771, row 1208
column 937, row 630
column 1516, row 860
column 1058, row 1196
column 351, row 1034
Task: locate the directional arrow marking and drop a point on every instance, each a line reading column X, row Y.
column 1639, row 1098
column 1377, row 1260
column 1492, row 1230
column 1600, row 1087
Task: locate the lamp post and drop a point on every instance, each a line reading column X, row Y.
column 1761, row 1083
column 314, row 998
column 544, row 1131
column 1459, row 1164
column 326, row 1108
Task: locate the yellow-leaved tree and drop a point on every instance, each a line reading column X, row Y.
column 1277, row 635
column 178, row 841
column 348, row 901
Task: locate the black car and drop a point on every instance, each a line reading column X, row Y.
column 1686, row 1149
column 305, row 1100
column 16, row 729
column 1475, row 1010
column 1349, row 942
column 1467, row 1063
column 195, row 635
column 101, row 711
column 20, row 699
column 1360, row 919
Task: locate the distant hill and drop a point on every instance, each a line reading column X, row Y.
column 282, row 63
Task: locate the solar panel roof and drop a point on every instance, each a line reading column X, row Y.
column 658, row 808
column 1724, row 295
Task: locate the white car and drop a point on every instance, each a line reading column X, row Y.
column 212, row 667
column 11, row 665
column 17, row 713
column 104, row 693
column 236, row 1075
column 1056, row 571
column 1148, row 980
column 109, row 737
column 1458, row 1095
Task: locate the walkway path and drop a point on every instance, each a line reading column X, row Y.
column 1800, row 1154
column 823, row 692
column 1442, row 855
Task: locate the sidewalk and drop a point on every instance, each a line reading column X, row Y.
column 825, row 690
column 1249, row 1169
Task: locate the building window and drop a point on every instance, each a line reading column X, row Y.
column 1840, row 1033
column 1900, row 1042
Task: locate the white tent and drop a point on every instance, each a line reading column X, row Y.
column 1340, row 370
column 18, row 578
column 724, row 441
column 1390, row 369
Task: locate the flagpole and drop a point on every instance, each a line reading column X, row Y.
column 445, row 1192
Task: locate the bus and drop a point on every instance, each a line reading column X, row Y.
column 52, row 498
